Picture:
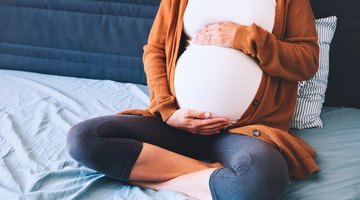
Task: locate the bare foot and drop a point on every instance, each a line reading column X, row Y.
column 195, row 184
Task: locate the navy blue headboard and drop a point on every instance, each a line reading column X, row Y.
column 103, row 39
column 344, row 74
column 100, row 39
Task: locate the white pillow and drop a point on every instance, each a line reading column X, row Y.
column 311, row 93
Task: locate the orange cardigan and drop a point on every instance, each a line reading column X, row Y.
column 288, row 54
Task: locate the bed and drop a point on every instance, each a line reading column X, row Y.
column 62, row 62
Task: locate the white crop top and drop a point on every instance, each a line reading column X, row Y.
column 220, row 80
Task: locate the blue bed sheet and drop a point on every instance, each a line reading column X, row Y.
column 338, row 157
column 37, row 110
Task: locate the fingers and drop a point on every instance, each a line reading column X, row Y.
column 214, row 130
column 205, row 37
column 220, row 34
column 197, row 122
column 212, row 123
column 209, row 126
column 210, row 34
column 204, row 119
column 196, row 114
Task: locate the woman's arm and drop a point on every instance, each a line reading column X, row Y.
column 294, row 57
column 162, row 102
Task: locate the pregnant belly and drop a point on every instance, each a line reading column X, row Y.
column 219, row 80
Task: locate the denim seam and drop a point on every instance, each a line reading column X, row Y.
column 213, row 176
column 235, row 170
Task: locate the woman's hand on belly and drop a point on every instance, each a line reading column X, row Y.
column 197, row 122
column 219, row 34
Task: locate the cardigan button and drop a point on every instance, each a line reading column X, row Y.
column 255, row 103
column 256, row 133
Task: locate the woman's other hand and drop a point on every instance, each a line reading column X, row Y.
column 220, row 34
column 197, row 122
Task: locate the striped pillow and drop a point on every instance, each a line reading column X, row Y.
column 311, row 93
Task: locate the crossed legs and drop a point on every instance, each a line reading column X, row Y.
column 148, row 153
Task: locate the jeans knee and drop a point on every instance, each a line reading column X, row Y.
column 250, row 186
column 255, row 178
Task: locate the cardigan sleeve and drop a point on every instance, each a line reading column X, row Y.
column 295, row 56
column 162, row 102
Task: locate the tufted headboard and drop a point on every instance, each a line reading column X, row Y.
column 103, row 39
column 99, row 39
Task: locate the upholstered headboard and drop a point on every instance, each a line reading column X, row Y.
column 103, row 39
column 99, row 39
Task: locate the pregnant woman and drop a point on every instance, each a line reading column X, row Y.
column 223, row 85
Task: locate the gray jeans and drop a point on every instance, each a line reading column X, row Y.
column 111, row 145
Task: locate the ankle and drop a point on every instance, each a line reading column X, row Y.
column 216, row 165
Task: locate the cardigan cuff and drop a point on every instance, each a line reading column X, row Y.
column 242, row 39
column 166, row 111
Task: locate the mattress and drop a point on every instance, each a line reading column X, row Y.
column 37, row 110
